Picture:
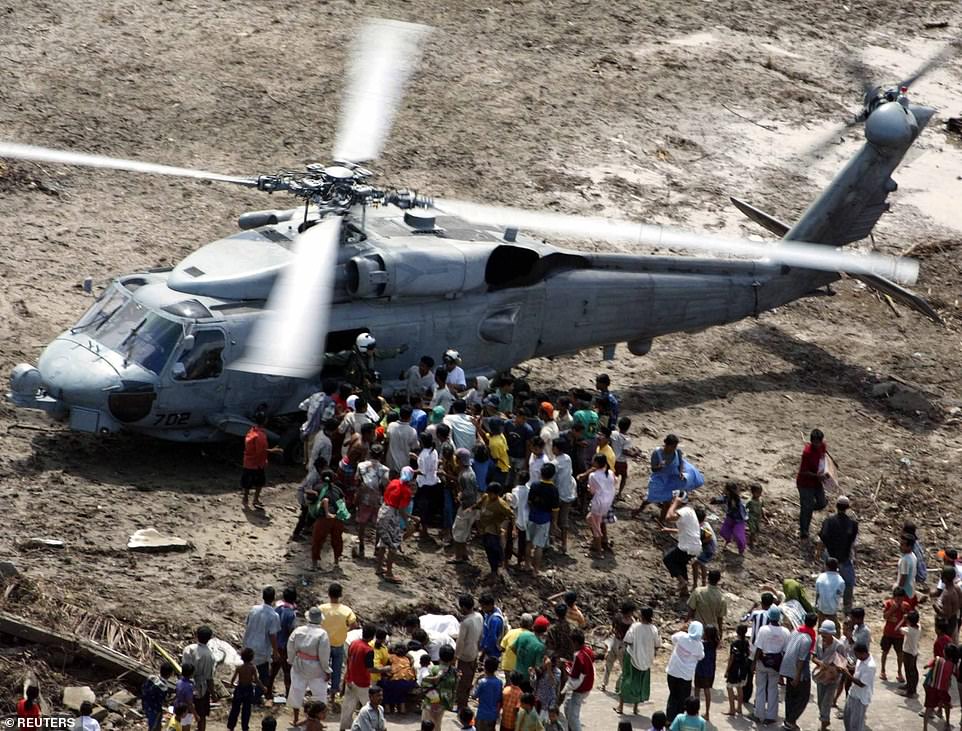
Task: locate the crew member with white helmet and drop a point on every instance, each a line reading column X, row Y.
column 455, row 379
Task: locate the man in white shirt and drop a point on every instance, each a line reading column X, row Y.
column 829, row 591
column 420, row 378
column 464, row 434
column 200, row 656
column 688, row 530
column 860, row 694
column 309, row 652
column 402, row 440
column 567, row 486
column 260, row 634
column 353, row 420
column 467, row 649
column 769, row 648
column 549, row 430
column 908, row 564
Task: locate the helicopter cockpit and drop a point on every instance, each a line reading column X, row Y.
column 122, row 324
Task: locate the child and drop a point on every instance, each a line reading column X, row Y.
column 705, row 670
column 184, row 693
column 400, row 682
column 621, row 446
column 737, row 671
column 466, row 719
column 576, row 618
column 689, row 720
column 153, row 696
column 176, row 722
column 528, row 719
column 709, row 546
column 511, row 701
column 938, row 681
column 659, row 721
column 547, row 684
column 316, row 715
column 247, row 679
column 736, row 517
column 488, row 692
column 910, row 654
column 440, row 683
column 894, row 611
column 518, row 501
column 424, row 667
column 756, row 511
column 554, row 720
column 382, row 656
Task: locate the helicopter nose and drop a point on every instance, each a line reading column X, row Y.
column 77, row 374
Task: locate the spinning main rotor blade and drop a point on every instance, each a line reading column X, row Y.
column 385, row 54
column 937, row 59
column 288, row 338
column 66, row 157
column 789, row 253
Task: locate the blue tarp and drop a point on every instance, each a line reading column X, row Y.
column 663, row 483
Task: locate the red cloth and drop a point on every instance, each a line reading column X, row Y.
column 358, row 665
column 397, row 494
column 24, row 712
column 810, row 631
column 811, row 456
column 584, row 664
column 255, row 449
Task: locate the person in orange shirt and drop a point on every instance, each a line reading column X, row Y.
column 511, row 701
column 256, row 452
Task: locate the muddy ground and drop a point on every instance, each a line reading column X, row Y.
column 656, row 110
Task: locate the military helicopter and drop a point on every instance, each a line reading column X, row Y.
column 189, row 352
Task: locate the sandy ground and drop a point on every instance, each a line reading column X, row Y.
column 654, row 110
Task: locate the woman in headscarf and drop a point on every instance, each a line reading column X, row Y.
column 687, row 649
column 329, row 511
column 809, row 481
column 390, row 530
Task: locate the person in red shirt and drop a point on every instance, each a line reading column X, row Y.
column 894, row 610
column 29, row 707
column 809, row 481
column 581, row 679
column 256, row 452
column 357, row 681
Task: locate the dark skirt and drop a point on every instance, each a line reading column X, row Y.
column 396, row 691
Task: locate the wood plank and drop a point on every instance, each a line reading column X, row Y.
column 95, row 653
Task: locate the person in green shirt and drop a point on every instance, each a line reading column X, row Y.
column 588, row 417
column 529, row 648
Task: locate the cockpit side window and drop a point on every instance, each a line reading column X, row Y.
column 205, row 359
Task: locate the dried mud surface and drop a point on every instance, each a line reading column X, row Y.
column 655, row 110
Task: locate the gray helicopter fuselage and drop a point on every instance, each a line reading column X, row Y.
column 153, row 354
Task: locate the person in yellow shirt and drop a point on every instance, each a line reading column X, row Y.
column 604, row 446
column 508, row 657
column 338, row 619
column 382, row 655
column 493, row 436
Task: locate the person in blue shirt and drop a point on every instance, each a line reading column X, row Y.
column 689, row 720
column 488, row 695
column 286, row 612
column 481, row 464
column 493, row 628
column 612, row 406
column 829, row 592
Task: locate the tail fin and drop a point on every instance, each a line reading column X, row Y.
column 852, row 204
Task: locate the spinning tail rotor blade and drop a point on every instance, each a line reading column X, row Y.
column 384, row 58
column 288, row 338
column 67, row 157
column 789, row 253
column 948, row 50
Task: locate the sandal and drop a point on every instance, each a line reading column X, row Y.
column 391, row 578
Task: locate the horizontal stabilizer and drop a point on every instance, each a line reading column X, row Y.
column 761, row 218
column 883, row 285
column 899, row 293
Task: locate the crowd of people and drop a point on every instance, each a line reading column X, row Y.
column 475, row 461
column 454, row 459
